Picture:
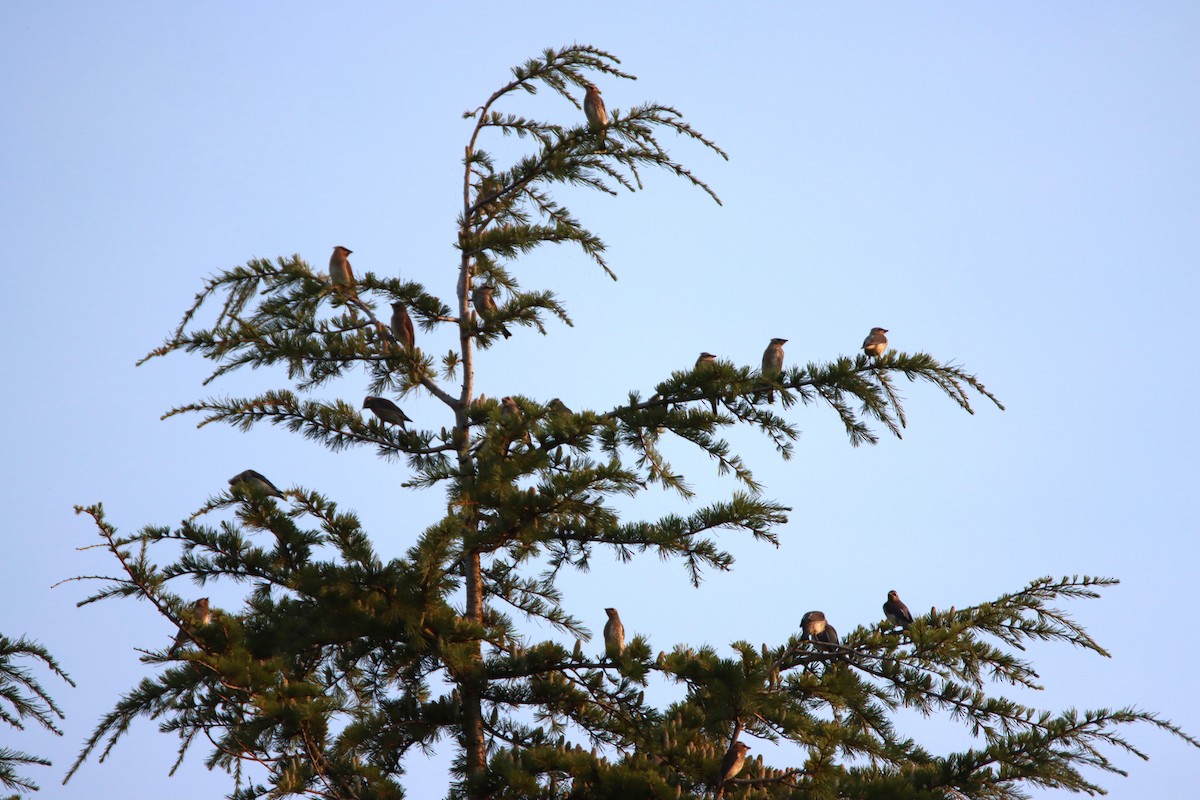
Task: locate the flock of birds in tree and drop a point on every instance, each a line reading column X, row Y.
column 814, row 626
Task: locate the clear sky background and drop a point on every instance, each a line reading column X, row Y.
column 1012, row 186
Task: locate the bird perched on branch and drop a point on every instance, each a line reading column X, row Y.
column 512, row 417
column 731, row 764
column 402, row 326
column 896, row 612
column 706, row 362
column 614, row 635
column 556, row 406
column 876, row 342
column 597, row 115
column 485, row 304
column 772, row 363
column 255, row 481
column 200, row 615
column 817, row 629
column 340, row 273
column 386, row 410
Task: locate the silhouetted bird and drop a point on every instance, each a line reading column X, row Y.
column 557, row 406
column 386, row 410
column 614, row 634
column 255, row 481
column 896, row 612
column 705, row 362
column 200, row 616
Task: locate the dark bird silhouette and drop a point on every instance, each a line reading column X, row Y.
column 200, row 615
column 705, row 362
column 597, row 115
column 255, row 481
column 876, row 342
column 896, row 612
column 402, row 326
column 557, row 406
column 386, row 410
column 614, row 634
column 772, row 364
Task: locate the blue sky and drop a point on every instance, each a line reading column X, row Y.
column 1012, row 186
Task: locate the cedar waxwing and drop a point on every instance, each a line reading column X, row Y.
column 876, row 342
column 200, row 615
column 511, row 415
column 386, row 410
column 557, row 406
column 256, row 481
column 340, row 273
column 402, row 326
column 896, row 612
column 597, row 115
column 817, row 629
column 614, row 635
column 485, row 304
column 731, row 764
column 707, row 360
column 772, row 363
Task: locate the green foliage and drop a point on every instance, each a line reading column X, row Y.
column 22, row 698
column 337, row 668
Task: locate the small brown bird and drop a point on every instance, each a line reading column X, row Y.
column 556, row 406
column 402, row 326
column 340, row 273
column 772, row 363
column 731, row 764
column 485, row 304
column 817, row 629
column 386, row 410
column 706, row 361
column 255, row 481
column 597, row 115
column 200, row 615
column 614, row 635
column 510, row 412
column 876, row 342
column 896, row 612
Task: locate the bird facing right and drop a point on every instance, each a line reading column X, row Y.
column 614, row 634
column 256, row 481
column 340, row 273
column 896, row 612
column 201, row 615
column 731, row 764
column 876, row 342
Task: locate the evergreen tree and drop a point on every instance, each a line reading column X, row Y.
column 340, row 666
column 23, row 698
